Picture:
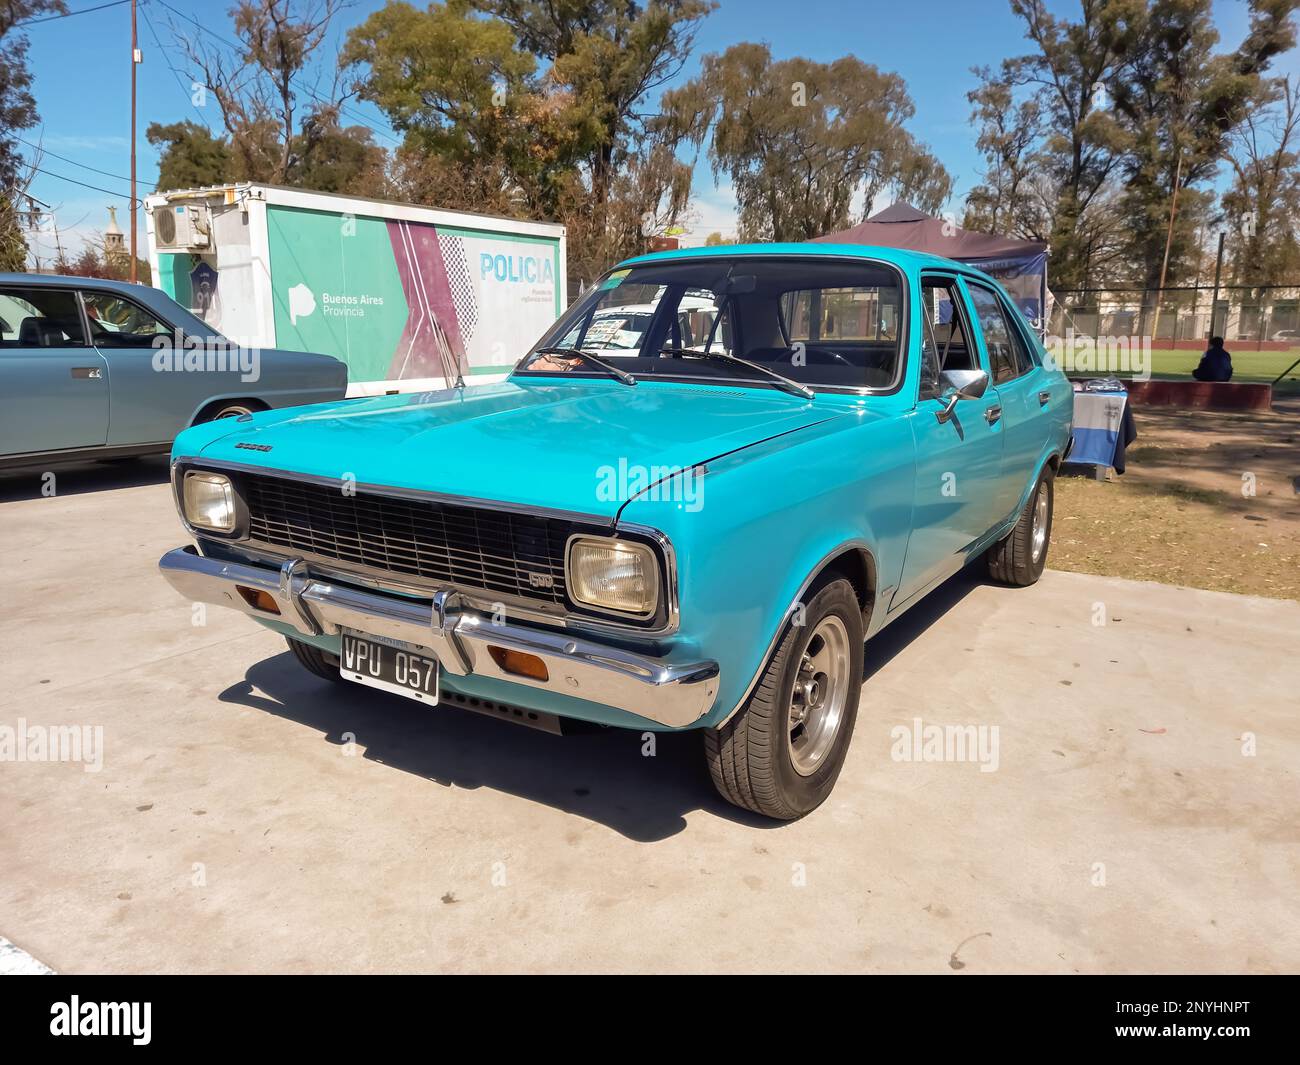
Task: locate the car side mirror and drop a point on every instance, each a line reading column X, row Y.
column 956, row 385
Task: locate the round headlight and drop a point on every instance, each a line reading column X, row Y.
column 613, row 575
column 209, row 501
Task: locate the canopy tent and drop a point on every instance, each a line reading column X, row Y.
column 1021, row 265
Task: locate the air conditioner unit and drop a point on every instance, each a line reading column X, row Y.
column 182, row 227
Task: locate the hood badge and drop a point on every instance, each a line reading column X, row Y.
column 254, row 447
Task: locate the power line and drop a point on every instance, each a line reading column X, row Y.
column 63, row 158
column 69, row 14
column 84, row 185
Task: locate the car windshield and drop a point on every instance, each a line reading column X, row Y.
column 822, row 322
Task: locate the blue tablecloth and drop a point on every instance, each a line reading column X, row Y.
column 1103, row 429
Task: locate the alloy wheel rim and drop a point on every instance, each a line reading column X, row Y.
column 817, row 703
column 1039, row 535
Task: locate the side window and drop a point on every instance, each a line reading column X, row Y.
column 39, row 318
column 943, row 337
column 1026, row 359
column 997, row 334
column 119, row 323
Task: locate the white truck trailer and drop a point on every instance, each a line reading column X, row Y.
column 410, row 297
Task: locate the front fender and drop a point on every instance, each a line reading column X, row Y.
column 762, row 524
column 190, row 442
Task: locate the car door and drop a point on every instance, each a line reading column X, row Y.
column 153, row 393
column 1022, row 393
column 958, row 461
column 53, row 386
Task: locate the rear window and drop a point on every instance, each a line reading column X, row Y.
column 839, row 314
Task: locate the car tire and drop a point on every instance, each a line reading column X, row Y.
column 228, row 409
column 314, row 660
column 774, row 757
column 1020, row 558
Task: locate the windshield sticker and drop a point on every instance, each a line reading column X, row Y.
column 615, row 279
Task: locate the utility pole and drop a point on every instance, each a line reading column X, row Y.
column 1169, row 239
column 135, row 60
column 1218, row 271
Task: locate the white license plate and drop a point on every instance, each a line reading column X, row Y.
column 389, row 665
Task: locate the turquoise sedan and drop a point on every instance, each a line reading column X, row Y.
column 98, row 369
column 717, row 475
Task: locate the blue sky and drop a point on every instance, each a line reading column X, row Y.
column 82, row 71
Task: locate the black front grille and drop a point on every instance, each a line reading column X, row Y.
column 471, row 547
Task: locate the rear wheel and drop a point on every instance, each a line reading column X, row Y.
column 229, row 408
column 782, row 751
column 314, row 660
column 1020, row 558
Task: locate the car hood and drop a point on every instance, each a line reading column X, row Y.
column 572, row 446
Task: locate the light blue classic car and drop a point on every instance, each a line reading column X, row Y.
column 97, row 369
column 719, row 473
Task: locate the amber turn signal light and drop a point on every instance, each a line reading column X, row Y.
column 258, row 599
column 519, row 663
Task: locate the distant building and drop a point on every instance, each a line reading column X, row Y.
column 114, row 238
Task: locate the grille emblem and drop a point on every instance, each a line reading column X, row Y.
column 541, row 580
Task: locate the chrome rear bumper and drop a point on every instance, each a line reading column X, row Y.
column 671, row 694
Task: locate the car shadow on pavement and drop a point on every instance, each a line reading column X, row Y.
column 32, row 482
column 596, row 773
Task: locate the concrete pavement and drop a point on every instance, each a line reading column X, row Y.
column 246, row 816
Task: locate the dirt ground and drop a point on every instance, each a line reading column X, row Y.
column 1209, row 500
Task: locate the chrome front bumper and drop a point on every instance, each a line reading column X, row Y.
column 667, row 693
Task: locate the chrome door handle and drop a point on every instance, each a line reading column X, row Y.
column 1045, row 396
column 87, row 373
column 992, row 414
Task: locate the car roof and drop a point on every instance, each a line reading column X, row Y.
column 911, row 260
column 63, row 280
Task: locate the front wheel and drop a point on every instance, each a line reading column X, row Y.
column 782, row 751
column 314, row 660
column 1020, row 558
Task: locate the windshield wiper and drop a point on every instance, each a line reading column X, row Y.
column 782, row 382
column 595, row 360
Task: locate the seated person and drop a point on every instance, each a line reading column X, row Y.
column 1216, row 364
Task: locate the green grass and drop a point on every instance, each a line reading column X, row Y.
column 1249, row 366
